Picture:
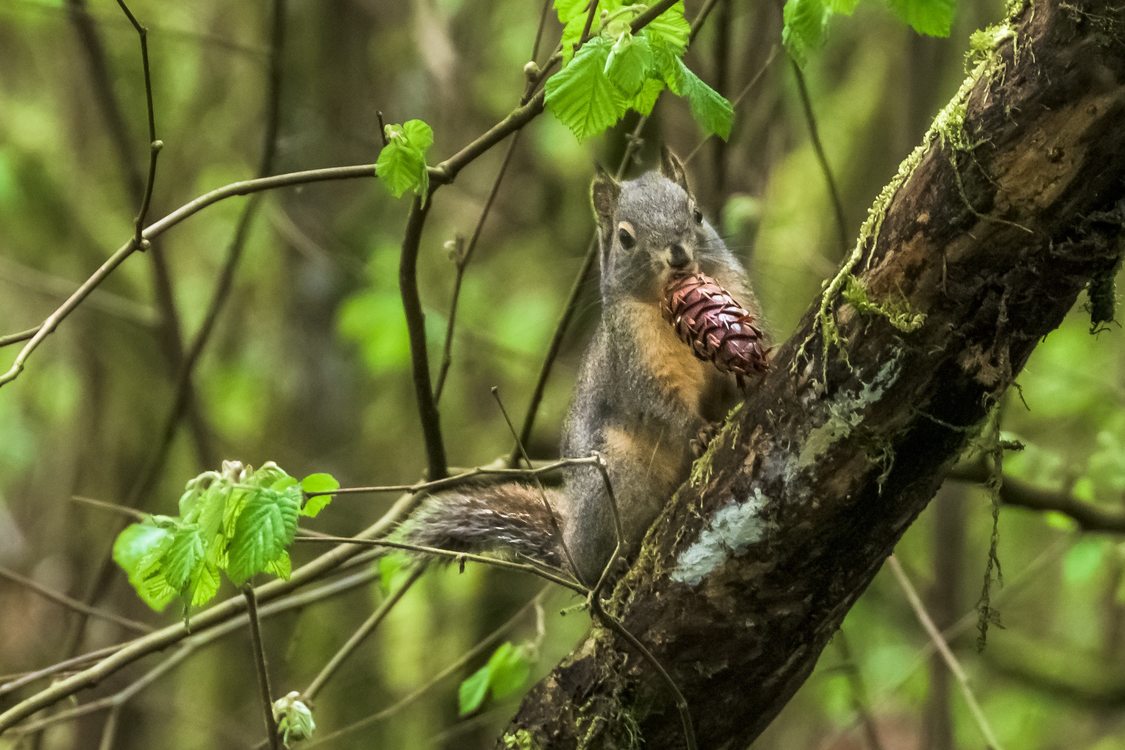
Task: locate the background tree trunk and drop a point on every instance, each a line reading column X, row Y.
column 973, row 253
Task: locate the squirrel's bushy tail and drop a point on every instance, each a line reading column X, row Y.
column 508, row 519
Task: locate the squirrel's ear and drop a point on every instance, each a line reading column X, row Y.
column 672, row 168
column 604, row 192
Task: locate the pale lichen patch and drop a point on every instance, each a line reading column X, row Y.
column 845, row 412
column 732, row 529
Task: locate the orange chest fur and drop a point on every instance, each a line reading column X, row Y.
column 670, row 361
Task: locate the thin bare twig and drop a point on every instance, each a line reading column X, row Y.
column 591, row 12
column 115, row 508
column 416, row 328
column 946, row 653
column 822, row 158
column 15, row 338
column 260, row 663
column 157, row 228
column 1018, row 493
column 154, row 143
column 539, row 31
column 461, row 263
column 457, row 479
column 73, row 604
column 860, row 701
column 360, row 635
column 542, row 571
column 109, row 729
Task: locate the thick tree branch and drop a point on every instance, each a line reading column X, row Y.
column 973, row 253
column 1020, row 494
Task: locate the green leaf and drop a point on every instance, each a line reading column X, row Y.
column 282, row 567
column 473, row 690
column 671, row 28
column 930, row 17
column 505, row 673
column 401, row 165
column 392, row 568
column 843, row 7
column 628, row 63
column 568, row 10
column 320, row 482
column 645, row 100
column 805, row 23
column 138, row 541
column 294, row 718
column 581, row 96
column 510, row 670
column 419, row 134
column 710, row 109
column 572, row 15
column 265, row 528
column 183, row 558
column 205, row 585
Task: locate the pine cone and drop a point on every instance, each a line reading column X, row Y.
column 715, row 326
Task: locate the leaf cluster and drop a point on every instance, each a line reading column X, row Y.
column 238, row 520
column 401, row 165
column 616, row 70
column 806, row 21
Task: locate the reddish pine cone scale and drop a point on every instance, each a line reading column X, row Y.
column 718, row 329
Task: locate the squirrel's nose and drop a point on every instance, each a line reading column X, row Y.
column 678, row 257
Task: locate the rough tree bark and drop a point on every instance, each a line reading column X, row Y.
column 973, row 253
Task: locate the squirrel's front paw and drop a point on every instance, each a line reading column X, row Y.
column 704, row 437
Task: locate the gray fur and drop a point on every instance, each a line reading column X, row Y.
column 640, row 398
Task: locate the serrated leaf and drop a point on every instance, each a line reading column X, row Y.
column 282, row 567
column 645, row 100
column 843, row 7
column 136, row 542
column 628, row 64
column 399, row 167
column 670, row 27
column 710, row 109
column 205, row 585
column 154, row 590
column 805, row 23
column 930, row 17
column 183, row 558
column 419, row 134
column 265, row 528
column 581, row 96
column 320, row 482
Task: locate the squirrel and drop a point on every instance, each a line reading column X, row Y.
column 640, row 399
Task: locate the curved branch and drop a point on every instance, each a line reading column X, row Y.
column 1021, row 494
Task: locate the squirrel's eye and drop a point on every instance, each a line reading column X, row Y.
column 697, row 215
column 626, row 238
